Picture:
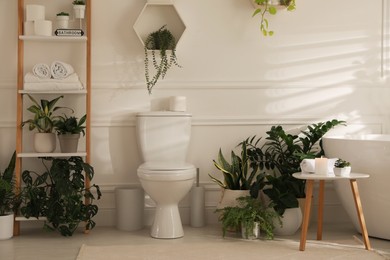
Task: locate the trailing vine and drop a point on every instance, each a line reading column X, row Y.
column 163, row 41
column 266, row 6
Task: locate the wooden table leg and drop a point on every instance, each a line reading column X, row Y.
column 359, row 210
column 320, row 209
column 306, row 215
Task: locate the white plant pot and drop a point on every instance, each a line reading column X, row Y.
column 62, row 22
column 79, row 11
column 252, row 233
column 342, row 171
column 44, row 142
column 6, row 226
column 69, row 142
column 292, row 220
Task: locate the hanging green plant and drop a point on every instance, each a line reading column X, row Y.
column 163, row 41
column 270, row 7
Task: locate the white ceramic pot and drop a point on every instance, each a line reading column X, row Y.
column 69, row 142
column 6, row 226
column 342, row 171
column 251, row 233
column 79, row 11
column 62, row 22
column 44, row 142
column 292, row 220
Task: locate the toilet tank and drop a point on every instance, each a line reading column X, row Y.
column 163, row 136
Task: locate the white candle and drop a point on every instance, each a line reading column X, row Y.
column 321, row 166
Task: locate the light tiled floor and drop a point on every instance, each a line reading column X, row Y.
column 38, row 244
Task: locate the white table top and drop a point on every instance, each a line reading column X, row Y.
column 312, row 176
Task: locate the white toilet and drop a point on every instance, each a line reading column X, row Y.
column 163, row 139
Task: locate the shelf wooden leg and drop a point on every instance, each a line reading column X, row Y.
column 306, row 215
column 359, row 210
column 320, row 209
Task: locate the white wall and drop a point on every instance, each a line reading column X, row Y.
column 326, row 60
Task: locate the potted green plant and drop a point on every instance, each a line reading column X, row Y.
column 342, row 167
column 238, row 175
column 68, row 131
column 265, row 7
column 250, row 216
column 59, row 194
column 162, row 42
column 62, row 20
column 8, row 200
column 280, row 156
column 79, row 8
column 43, row 121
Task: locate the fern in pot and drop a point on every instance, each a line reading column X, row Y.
column 162, row 45
column 69, row 130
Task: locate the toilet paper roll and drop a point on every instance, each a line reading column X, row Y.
column 43, row 28
column 178, row 104
column 29, row 28
column 35, row 12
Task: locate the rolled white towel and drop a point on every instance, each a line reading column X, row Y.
column 41, row 70
column 309, row 165
column 60, row 70
column 30, row 77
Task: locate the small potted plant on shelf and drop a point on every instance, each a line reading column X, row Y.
column 79, row 8
column 68, row 130
column 250, row 216
column 62, row 20
column 60, row 194
column 342, row 167
column 163, row 43
column 8, row 200
column 44, row 121
column 264, row 7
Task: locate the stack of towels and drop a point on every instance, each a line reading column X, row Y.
column 58, row 76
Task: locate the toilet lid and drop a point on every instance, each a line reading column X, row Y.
column 165, row 166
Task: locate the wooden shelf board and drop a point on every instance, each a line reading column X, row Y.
column 53, row 38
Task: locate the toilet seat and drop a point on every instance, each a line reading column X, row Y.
column 166, row 171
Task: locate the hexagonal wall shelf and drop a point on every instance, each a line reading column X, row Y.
column 154, row 15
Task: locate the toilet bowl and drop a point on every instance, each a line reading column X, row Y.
column 166, row 187
column 163, row 138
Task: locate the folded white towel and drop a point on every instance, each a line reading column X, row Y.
column 30, row 77
column 41, row 70
column 60, row 70
column 309, row 165
column 47, row 86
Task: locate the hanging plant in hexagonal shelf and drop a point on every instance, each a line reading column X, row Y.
column 162, row 43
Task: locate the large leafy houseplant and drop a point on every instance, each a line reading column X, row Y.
column 265, row 7
column 8, row 198
column 59, row 193
column 162, row 42
column 248, row 212
column 281, row 155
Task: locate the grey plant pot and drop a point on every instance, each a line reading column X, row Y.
column 69, row 142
